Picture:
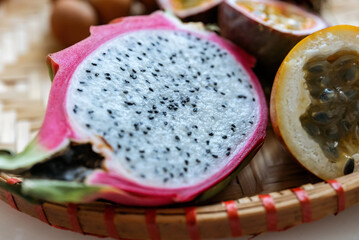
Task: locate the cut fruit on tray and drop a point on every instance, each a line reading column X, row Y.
column 315, row 101
column 267, row 29
column 147, row 111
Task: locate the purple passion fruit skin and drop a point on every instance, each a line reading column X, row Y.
column 251, row 25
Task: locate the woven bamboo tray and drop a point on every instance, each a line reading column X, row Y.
column 272, row 193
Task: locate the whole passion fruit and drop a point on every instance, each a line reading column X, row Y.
column 267, row 29
column 315, row 101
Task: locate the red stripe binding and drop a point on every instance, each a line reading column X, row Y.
column 272, row 218
column 109, row 219
column 9, row 196
column 41, row 214
column 337, row 186
column 303, row 198
column 191, row 218
column 12, row 181
column 233, row 218
column 73, row 218
column 10, row 200
column 151, row 224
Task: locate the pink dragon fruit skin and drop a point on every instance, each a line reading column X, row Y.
column 59, row 129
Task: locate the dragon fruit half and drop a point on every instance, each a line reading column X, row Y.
column 146, row 111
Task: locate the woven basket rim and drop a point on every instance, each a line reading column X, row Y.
column 307, row 203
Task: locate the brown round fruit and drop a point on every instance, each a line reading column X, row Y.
column 71, row 20
column 111, row 9
column 315, row 101
column 267, row 29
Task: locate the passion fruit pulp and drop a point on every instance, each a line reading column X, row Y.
column 267, row 29
column 334, row 110
column 192, row 10
column 315, row 101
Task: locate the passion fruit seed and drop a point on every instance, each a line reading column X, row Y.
column 332, row 118
column 349, row 166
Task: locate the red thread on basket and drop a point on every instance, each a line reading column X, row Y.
column 109, row 219
column 12, row 181
column 10, row 200
column 41, row 214
column 192, row 227
column 337, row 186
column 272, row 218
column 303, row 198
column 151, row 224
column 233, row 218
column 9, row 197
column 73, row 218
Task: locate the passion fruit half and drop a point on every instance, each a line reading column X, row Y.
column 192, row 10
column 315, row 101
column 265, row 28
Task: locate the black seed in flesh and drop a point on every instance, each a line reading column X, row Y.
column 242, row 97
column 349, row 166
column 321, row 117
column 312, row 129
column 351, row 75
column 327, row 95
column 316, row 67
column 332, row 133
column 331, row 150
